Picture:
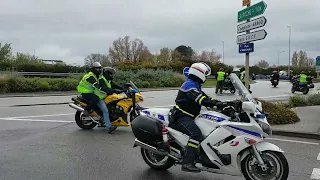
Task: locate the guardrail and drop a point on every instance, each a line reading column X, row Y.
column 47, row 74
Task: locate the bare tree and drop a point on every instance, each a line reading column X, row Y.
column 263, row 64
column 97, row 57
column 125, row 50
column 311, row 62
column 208, row 56
column 295, row 59
column 164, row 56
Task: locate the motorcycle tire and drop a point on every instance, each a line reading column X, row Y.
column 149, row 160
column 274, row 85
column 79, row 122
column 232, row 91
column 293, row 90
column 272, row 155
column 305, row 90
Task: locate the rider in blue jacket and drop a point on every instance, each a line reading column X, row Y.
column 189, row 100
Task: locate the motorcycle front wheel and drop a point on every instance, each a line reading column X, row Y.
column 84, row 124
column 277, row 167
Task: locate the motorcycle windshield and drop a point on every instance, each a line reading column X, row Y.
column 134, row 86
column 243, row 91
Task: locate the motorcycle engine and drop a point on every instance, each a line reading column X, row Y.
column 116, row 112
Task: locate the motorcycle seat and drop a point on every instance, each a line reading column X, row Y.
column 80, row 98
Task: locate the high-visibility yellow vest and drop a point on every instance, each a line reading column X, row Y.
column 303, row 78
column 84, row 86
column 102, row 94
column 220, row 76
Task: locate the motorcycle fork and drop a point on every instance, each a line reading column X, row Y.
column 259, row 158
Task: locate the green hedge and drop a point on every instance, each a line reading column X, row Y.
column 279, row 113
column 11, row 65
column 303, row 100
column 10, row 83
column 176, row 66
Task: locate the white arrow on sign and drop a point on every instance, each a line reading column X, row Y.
column 254, row 24
column 253, row 36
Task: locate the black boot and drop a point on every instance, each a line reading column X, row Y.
column 190, row 168
column 188, row 160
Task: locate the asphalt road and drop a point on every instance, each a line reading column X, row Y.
column 261, row 89
column 43, row 142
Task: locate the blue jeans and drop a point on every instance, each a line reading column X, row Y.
column 102, row 105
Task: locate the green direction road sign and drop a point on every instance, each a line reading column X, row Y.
column 252, row 11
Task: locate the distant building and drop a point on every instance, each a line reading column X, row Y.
column 53, row 61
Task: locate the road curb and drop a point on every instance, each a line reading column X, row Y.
column 296, row 134
column 40, row 104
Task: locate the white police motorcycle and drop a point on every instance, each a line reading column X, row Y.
column 233, row 140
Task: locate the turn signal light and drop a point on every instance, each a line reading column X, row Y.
column 251, row 141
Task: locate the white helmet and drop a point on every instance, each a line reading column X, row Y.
column 96, row 65
column 201, row 70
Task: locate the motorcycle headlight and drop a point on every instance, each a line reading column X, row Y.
column 140, row 98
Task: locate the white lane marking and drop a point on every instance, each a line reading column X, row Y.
column 46, row 115
column 35, row 120
column 318, row 157
column 266, row 97
column 288, row 140
column 315, row 173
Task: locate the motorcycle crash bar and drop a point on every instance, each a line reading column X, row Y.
column 76, row 107
column 153, row 149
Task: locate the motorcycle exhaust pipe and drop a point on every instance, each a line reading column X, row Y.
column 78, row 108
column 153, row 149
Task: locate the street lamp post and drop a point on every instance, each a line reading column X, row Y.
column 223, row 51
column 289, row 49
column 279, row 58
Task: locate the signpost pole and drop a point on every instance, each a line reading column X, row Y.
column 247, row 59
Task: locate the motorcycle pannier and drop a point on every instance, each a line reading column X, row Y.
column 146, row 129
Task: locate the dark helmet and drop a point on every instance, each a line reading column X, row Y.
column 108, row 72
column 302, row 72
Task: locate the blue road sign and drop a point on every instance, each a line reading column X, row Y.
column 186, row 71
column 318, row 64
column 246, row 48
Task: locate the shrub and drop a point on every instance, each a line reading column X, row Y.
column 300, row 100
column 296, row 101
column 314, row 99
column 143, row 79
column 279, row 113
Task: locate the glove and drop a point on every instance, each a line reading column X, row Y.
column 119, row 91
column 221, row 105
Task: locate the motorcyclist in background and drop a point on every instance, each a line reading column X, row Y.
column 89, row 87
column 189, row 100
column 303, row 79
column 242, row 77
column 107, row 86
column 275, row 75
column 220, row 80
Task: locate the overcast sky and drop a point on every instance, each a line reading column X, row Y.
column 71, row 29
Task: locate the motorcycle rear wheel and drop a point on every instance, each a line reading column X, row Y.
column 305, row 90
column 80, row 122
column 276, row 162
column 155, row 161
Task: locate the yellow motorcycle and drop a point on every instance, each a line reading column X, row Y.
column 123, row 109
